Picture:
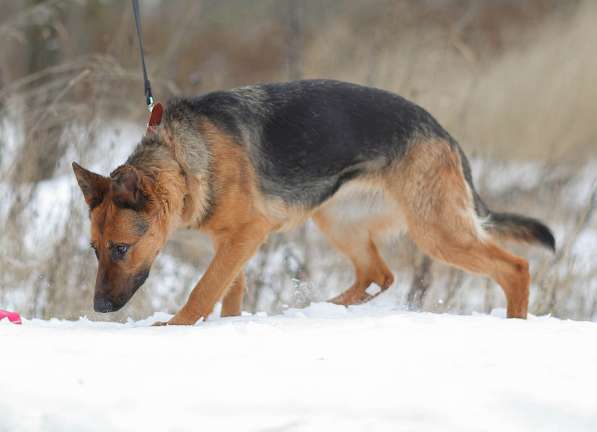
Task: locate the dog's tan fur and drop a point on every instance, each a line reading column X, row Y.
column 237, row 229
column 425, row 194
column 438, row 208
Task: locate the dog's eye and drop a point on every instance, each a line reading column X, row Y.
column 119, row 251
column 94, row 250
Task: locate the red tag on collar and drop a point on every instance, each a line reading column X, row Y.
column 155, row 118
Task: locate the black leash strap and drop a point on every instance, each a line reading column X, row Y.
column 147, row 84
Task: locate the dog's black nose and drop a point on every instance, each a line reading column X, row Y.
column 103, row 305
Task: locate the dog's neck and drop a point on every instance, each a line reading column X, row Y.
column 183, row 196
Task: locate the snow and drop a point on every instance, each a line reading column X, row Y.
column 322, row 368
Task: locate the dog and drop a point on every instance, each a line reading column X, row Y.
column 361, row 162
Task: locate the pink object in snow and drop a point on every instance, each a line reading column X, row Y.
column 13, row 317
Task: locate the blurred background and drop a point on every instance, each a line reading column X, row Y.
column 514, row 81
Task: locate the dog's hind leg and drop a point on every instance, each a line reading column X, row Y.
column 355, row 241
column 438, row 207
column 233, row 299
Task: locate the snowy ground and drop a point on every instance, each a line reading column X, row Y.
column 323, row 368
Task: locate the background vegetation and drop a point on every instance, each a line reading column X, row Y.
column 512, row 80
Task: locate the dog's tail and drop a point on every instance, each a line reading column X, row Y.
column 516, row 227
column 508, row 226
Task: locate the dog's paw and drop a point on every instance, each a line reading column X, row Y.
column 175, row 321
column 159, row 324
column 180, row 321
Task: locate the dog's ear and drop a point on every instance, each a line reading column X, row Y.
column 93, row 186
column 126, row 188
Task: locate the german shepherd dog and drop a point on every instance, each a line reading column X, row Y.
column 363, row 163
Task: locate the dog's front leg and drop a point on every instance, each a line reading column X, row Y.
column 233, row 299
column 233, row 250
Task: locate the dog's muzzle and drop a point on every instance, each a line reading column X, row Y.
column 103, row 305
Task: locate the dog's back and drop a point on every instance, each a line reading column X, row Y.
column 307, row 138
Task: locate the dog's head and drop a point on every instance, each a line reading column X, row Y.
column 127, row 232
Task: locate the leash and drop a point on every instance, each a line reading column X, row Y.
column 156, row 110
